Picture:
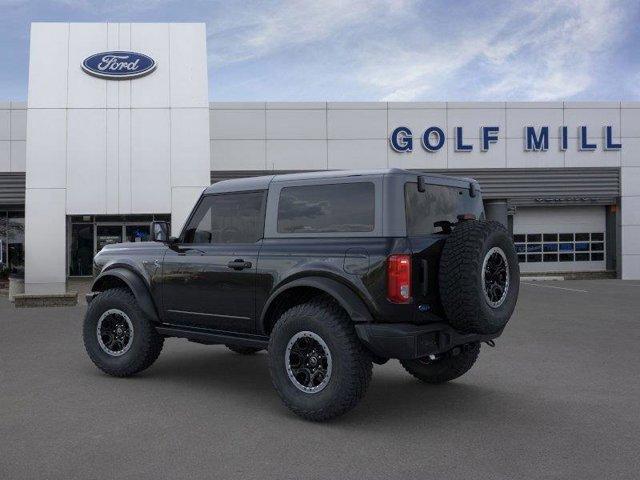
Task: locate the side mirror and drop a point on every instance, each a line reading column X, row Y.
column 160, row 232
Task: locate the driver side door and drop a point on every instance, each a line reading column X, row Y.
column 209, row 275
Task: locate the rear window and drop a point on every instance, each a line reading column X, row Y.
column 437, row 203
column 336, row 208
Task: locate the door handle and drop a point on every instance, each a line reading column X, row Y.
column 239, row 264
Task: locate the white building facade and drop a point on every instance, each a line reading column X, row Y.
column 103, row 157
column 110, row 147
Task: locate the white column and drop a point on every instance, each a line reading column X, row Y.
column 45, row 241
column 97, row 146
column 630, row 229
column 190, row 157
column 630, row 195
column 45, row 205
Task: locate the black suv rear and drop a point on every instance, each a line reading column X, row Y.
column 328, row 271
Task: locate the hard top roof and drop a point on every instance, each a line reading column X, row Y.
column 263, row 182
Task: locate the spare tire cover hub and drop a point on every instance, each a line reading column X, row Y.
column 495, row 277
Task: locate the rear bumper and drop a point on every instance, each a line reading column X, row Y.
column 406, row 341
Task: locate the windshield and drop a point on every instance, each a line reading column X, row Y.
column 436, row 204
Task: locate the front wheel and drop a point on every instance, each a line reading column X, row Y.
column 318, row 366
column 447, row 367
column 118, row 336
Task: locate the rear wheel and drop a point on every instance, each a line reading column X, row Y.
column 318, row 366
column 118, row 337
column 243, row 350
column 446, row 367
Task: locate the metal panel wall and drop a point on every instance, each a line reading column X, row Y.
column 522, row 186
column 550, row 186
column 12, row 188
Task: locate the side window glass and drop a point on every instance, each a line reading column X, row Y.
column 227, row 218
column 343, row 207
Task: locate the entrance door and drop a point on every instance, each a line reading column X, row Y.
column 81, row 252
column 89, row 235
column 209, row 276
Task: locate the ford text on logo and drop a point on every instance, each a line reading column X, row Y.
column 535, row 139
column 118, row 65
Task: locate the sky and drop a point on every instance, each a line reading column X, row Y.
column 377, row 50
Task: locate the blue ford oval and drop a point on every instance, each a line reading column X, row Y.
column 118, row 65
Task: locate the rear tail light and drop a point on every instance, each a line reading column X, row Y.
column 399, row 278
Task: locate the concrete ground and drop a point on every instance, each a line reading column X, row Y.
column 559, row 397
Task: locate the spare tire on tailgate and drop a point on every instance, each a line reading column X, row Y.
column 479, row 277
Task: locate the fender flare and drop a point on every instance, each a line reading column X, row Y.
column 136, row 285
column 345, row 296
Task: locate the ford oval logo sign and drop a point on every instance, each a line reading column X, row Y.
column 118, row 65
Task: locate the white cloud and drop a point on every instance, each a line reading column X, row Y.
column 405, row 50
column 569, row 50
column 106, row 7
column 414, row 74
column 547, row 50
column 259, row 29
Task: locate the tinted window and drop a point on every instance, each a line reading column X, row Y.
column 344, row 207
column 438, row 203
column 229, row 218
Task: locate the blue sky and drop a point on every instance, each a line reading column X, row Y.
column 378, row 49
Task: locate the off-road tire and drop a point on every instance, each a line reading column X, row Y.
column 243, row 350
column 462, row 291
column 146, row 344
column 351, row 363
column 444, row 369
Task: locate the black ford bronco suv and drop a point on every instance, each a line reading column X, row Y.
column 328, row 271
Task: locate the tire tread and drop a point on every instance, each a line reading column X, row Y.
column 152, row 341
column 460, row 262
column 340, row 324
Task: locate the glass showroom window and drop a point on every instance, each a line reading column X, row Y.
column 15, row 241
column 560, row 247
column 90, row 233
column 11, row 243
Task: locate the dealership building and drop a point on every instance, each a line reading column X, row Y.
column 118, row 130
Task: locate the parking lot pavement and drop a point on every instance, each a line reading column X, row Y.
column 559, row 397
